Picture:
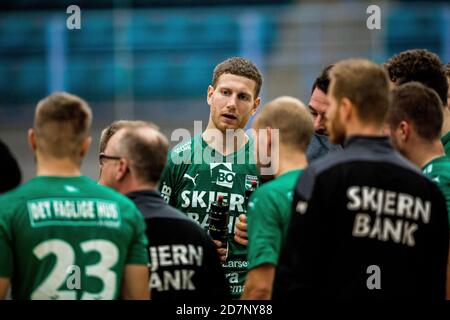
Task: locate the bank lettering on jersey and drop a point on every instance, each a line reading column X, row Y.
column 398, row 216
column 185, row 258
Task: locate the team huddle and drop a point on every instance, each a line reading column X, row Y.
column 348, row 197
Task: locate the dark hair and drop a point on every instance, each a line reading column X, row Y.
column 419, row 65
column 146, row 152
column 61, row 123
column 447, row 70
column 239, row 67
column 420, row 105
column 11, row 174
column 365, row 84
column 323, row 81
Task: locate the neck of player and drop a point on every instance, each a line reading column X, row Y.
column 446, row 123
column 57, row 167
column 132, row 185
column 428, row 152
column 290, row 159
column 358, row 128
column 225, row 144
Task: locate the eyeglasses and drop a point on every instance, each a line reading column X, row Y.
column 102, row 157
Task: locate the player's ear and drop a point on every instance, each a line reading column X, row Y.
column 85, row 146
column 123, row 169
column 256, row 105
column 32, row 139
column 404, row 130
column 347, row 108
column 209, row 94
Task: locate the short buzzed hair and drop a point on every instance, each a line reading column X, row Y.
column 420, row 105
column 110, row 130
column 419, row 65
column 147, row 149
column 291, row 117
column 365, row 84
column 62, row 121
column 239, row 67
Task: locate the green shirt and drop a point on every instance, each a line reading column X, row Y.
column 438, row 170
column 68, row 238
column 194, row 178
column 268, row 218
column 446, row 143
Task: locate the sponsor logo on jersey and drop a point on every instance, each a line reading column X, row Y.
column 166, row 192
column 182, row 147
column 73, row 212
column 203, row 199
column 222, row 174
column 187, row 176
column 71, row 189
column 249, row 181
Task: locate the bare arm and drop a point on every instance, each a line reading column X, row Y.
column 259, row 283
column 4, row 286
column 135, row 283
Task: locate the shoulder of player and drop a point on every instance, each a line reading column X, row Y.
column 179, row 221
column 11, row 199
column 181, row 155
column 109, row 194
column 268, row 192
column 323, row 171
column 268, row 189
column 185, row 147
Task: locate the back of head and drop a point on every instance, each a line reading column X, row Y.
column 239, row 67
column 61, row 124
column 322, row 82
column 365, row 84
column 146, row 149
column 291, row 118
column 419, row 65
column 110, row 130
column 415, row 103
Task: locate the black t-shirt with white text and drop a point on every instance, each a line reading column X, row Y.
column 365, row 223
column 184, row 264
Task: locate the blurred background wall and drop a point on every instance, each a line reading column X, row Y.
column 153, row 60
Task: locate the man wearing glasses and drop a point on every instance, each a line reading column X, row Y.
column 183, row 259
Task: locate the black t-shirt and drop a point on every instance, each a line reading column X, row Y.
column 365, row 224
column 184, row 263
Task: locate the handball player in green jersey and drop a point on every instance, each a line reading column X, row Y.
column 219, row 161
column 63, row 236
column 271, row 204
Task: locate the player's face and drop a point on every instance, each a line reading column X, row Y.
column 109, row 164
column 334, row 124
column 232, row 102
column 318, row 106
